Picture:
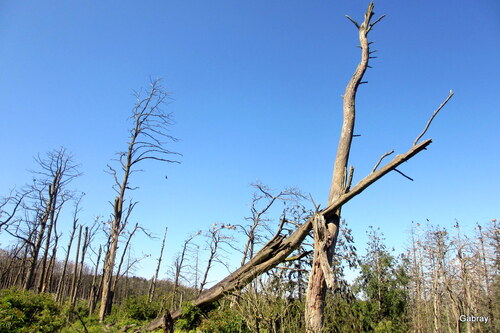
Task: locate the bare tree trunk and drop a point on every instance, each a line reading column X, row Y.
column 215, row 238
column 118, row 271
column 94, row 287
column 52, row 263
column 147, row 140
column 60, row 286
column 57, row 171
column 325, row 237
column 39, row 238
column 54, row 214
column 179, row 264
column 80, row 270
column 75, row 268
column 152, row 287
column 109, row 264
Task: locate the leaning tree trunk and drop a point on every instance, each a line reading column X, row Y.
column 280, row 247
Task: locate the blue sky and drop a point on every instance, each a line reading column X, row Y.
column 256, row 89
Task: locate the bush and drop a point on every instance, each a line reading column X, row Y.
column 223, row 321
column 27, row 312
column 190, row 317
column 139, row 308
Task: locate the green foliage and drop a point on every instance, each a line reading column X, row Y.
column 27, row 312
column 139, row 308
column 223, row 321
column 190, row 317
column 382, row 285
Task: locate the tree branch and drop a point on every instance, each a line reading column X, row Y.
column 432, row 117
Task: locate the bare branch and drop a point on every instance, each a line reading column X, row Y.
column 353, row 21
column 380, row 160
column 402, row 174
column 433, row 115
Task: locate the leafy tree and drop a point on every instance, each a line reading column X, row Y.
column 382, row 286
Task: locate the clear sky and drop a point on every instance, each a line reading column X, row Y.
column 256, row 89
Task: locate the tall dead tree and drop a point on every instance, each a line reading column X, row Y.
column 154, row 279
column 326, row 231
column 49, row 193
column 60, row 285
column 179, row 264
column 324, row 222
column 147, row 141
column 216, row 238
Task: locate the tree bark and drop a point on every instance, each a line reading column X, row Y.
column 325, row 236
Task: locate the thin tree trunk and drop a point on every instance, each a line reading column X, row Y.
column 152, row 287
column 50, row 270
column 60, row 286
column 118, row 271
column 75, row 268
column 80, row 270
column 53, row 220
column 94, row 287
column 39, row 239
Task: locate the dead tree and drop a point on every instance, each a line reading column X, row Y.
column 84, row 248
column 60, row 285
column 215, row 239
column 94, row 286
column 75, row 266
column 279, row 247
column 324, row 222
column 154, row 279
column 15, row 200
column 178, row 266
column 264, row 198
column 48, row 194
column 326, row 231
column 148, row 137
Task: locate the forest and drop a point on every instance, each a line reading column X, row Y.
column 298, row 265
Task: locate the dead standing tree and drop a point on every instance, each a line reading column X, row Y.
column 48, row 193
column 154, row 279
column 324, row 222
column 326, row 230
column 148, row 137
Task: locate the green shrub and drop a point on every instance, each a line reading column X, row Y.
column 27, row 312
column 190, row 317
column 139, row 308
column 223, row 321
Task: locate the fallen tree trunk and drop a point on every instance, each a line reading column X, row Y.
column 280, row 247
